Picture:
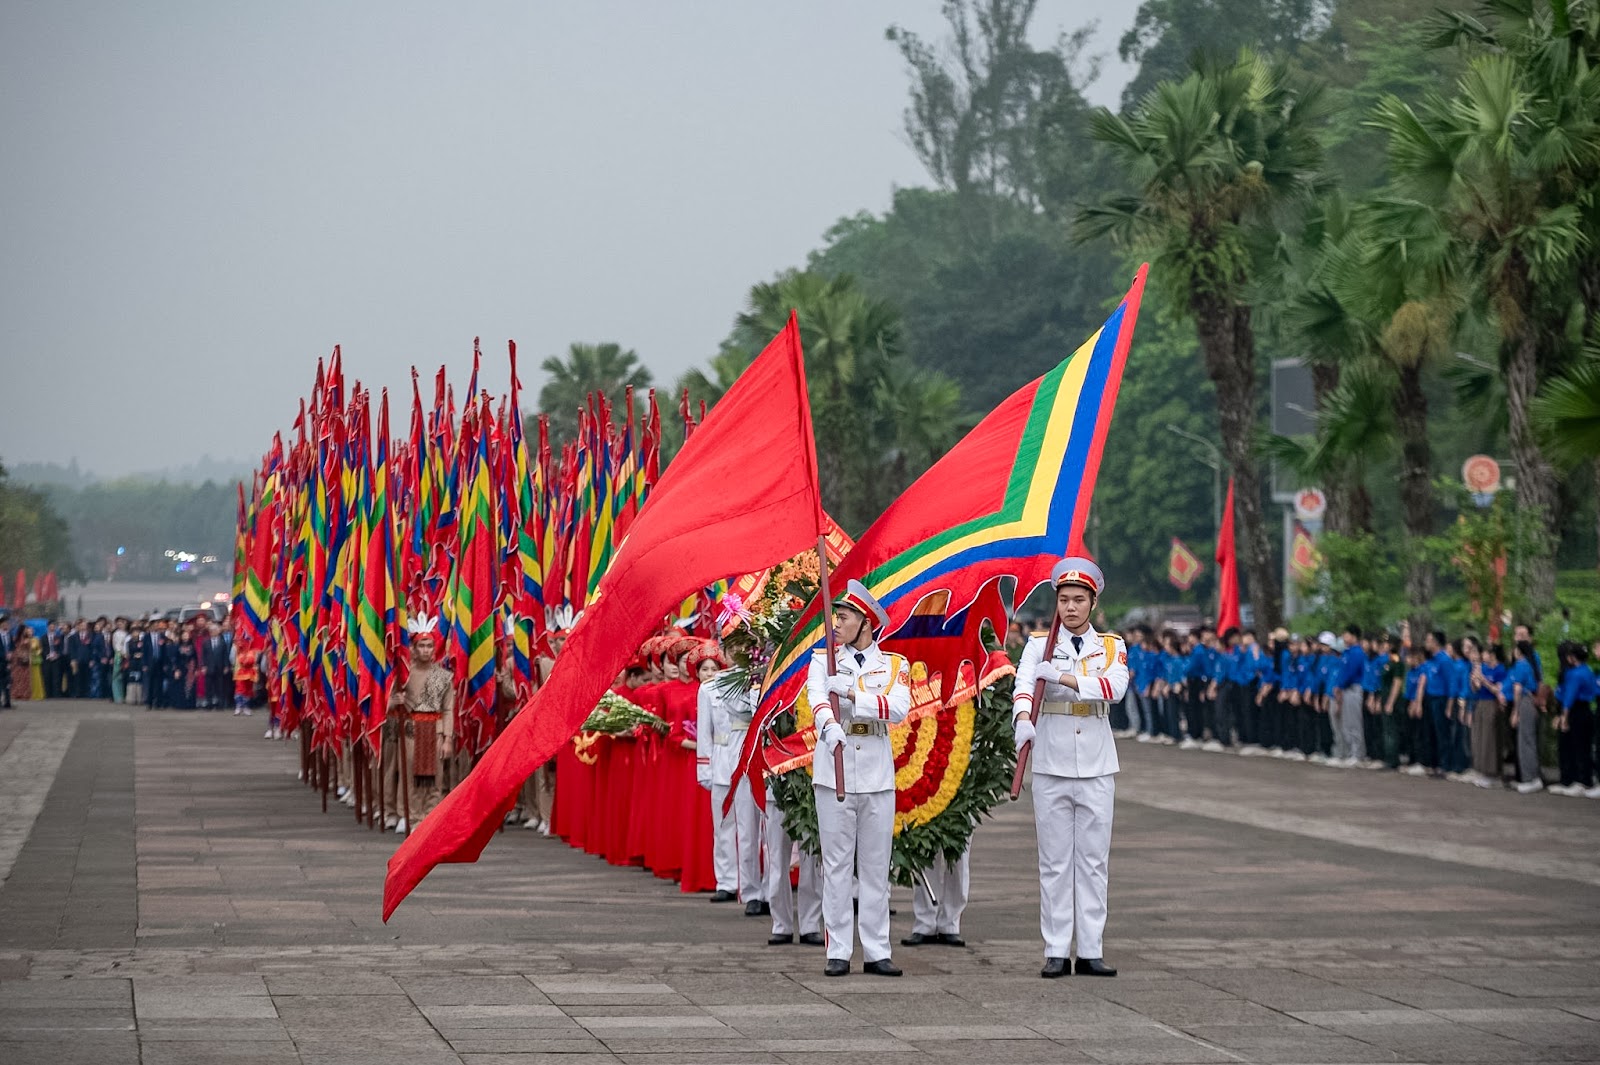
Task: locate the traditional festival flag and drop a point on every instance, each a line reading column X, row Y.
column 1007, row 501
column 1182, row 565
column 742, row 494
column 1304, row 558
column 1227, row 570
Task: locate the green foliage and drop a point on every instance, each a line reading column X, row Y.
column 1568, row 413
column 1359, row 582
column 33, row 535
column 1489, row 549
column 1167, row 34
column 603, row 369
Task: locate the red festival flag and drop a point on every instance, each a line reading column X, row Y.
column 1182, row 565
column 742, row 494
column 1304, row 558
column 1227, row 570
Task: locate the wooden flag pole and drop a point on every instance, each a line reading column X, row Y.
column 833, row 665
column 1033, row 713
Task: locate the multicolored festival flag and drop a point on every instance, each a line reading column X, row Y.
column 1304, row 558
column 1182, row 565
column 1007, row 501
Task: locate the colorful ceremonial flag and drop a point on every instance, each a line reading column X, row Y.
column 474, row 591
column 1227, row 570
column 1182, row 565
column 1009, row 500
column 742, row 494
column 1304, row 558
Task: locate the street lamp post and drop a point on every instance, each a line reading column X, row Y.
column 1214, row 460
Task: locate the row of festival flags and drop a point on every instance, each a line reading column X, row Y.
column 46, row 589
column 349, row 535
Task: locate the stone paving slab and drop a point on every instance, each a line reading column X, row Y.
column 1283, row 915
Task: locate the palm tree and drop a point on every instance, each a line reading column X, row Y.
column 588, row 369
column 1567, row 412
column 1509, row 162
column 1217, row 158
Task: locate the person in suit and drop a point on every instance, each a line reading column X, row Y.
column 53, row 671
column 218, row 668
column 79, row 646
column 155, row 653
column 100, row 659
column 7, row 642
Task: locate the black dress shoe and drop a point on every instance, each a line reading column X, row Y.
column 780, row 941
column 1093, row 967
column 752, row 908
column 813, row 939
column 882, row 967
column 836, row 967
column 917, row 939
column 1054, row 967
column 723, row 896
column 952, row 939
column 766, row 908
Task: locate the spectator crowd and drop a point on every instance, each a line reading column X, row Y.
column 155, row 662
column 1466, row 710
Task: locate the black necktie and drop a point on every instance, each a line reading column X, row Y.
column 1077, row 645
column 861, row 658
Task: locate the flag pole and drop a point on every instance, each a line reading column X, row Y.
column 833, row 665
column 1033, row 712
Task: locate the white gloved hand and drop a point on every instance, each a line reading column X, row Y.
column 1023, row 731
column 832, row 736
column 842, row 686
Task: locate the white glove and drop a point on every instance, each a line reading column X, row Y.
column 842, row 686
column 832, row 736
column 1023, row 731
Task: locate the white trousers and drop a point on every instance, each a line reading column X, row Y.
column 857, row 835
column 1072, row 817
column 736, row 855
column 950, row 882
column 780, row 895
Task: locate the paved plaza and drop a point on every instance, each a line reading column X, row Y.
column 173, row 895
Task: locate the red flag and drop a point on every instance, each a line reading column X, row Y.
column 742, row 494
column 22, row 589
column 1227, row 570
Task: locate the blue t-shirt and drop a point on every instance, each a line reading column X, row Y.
column 1494, row 677
column 1577, row 686
column 1413, row 679
column 1372, row 679
column 1174, row 668
column 1352, row 667
column 1437, row 672
column 1327, row 673
column 1460, row 678
column 1519, row 675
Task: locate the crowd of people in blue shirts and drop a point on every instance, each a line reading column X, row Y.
column 1467, row 710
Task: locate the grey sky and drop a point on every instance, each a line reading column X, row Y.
column 202, row 198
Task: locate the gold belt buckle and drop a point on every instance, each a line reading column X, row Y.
column 1081, row 709
column 859, row 728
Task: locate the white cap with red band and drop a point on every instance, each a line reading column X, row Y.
column 1078, row 570
column 857, row 598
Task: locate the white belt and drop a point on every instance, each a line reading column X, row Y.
column 723, row 739
column 1075, row 709
column 867, row 728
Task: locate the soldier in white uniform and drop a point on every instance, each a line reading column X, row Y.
column 787, row 918
column 724, row 718
column 874, row 690
column 1074, row 768
column 940, row 923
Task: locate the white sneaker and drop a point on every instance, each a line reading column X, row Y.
column 1275, row 752
column 1482, row 781
column 1592, row 793
column 1166, row 741
column 1528, row 787
column 1294, row 756
column 544, row 828
column 390, row 822
column 268, row 735
column 400, row 827
column 341, row 792
column 277, row 733
column 1252, row 749
column 531, row 823
column 1372, row 763
column 247, row 712
column 1560, row 789
column 1188, row 743
column 1416, row 769
column 1214, row 746
column 1144, row 737
column 1317, row 758
column 237, row 711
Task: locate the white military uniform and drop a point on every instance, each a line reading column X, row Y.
column 721, row 722
column 787, row 919
column 858, row 834
column 1074, row 783
column 950, row 882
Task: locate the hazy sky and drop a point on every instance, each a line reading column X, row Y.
column 202, row 198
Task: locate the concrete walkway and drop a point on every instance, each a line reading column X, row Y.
column 172, row 895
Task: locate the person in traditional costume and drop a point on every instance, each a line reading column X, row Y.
column 679, row 700
column 872, row 689
column 27, row 656
column 1074, row 767
column 426, row 709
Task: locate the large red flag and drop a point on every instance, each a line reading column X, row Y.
column 742, row 494
column 1227, row 570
